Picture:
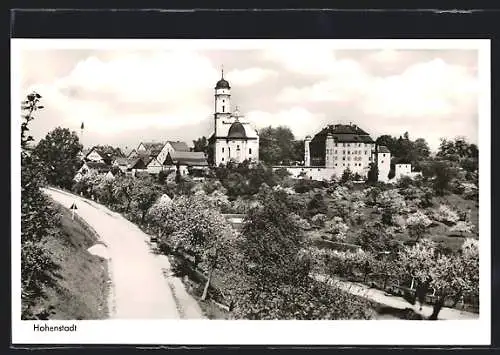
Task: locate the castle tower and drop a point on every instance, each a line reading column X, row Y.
column 307, row 154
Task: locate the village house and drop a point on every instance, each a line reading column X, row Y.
column 94, row 167
column 193, row 163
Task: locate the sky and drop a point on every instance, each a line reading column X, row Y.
column 125, row 96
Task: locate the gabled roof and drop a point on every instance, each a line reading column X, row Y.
column 186, row 158
column 137, row 163
column 179, row 146
column 383, row 149
column 100, row 167
column 153, row 148
column 122, row 161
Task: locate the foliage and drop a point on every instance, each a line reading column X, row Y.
column 418, row 223
column 58, row 152
column 145, row 194
column 243, row 180
column 317, row 205
column 278, row 146
column 403, row 149
column 373, row 173
column 375, row 238
column 347, row 175
column 337, row 228
column 462, row 227
column 448, row 275
column 446, row 215
column 274, row 280
column 38, row 219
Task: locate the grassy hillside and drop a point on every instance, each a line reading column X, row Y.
column 80, row 290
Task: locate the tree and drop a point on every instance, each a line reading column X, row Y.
column 277, row 145
column 317, row 205
column 194, row 226
column 417, row 261
column 373, row 173
column 337, row 228
column 417, row 224
column 123, row 188
column 453, row 275
column 144, row 193
column 38, row 219
column 422, row 150
column 201, row 145
column 346, row 176
column 58, row 151
column 462, row 227
column 273, row 280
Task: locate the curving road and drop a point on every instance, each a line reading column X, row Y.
column 140, row 290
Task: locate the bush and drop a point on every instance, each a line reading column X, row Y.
column 317, row 205
column 446, row 215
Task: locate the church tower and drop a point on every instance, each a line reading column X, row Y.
column 222, row 110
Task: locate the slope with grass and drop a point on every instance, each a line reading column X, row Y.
column 80, row 287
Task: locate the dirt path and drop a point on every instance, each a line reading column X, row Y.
column 396, row 302
column 140, row 289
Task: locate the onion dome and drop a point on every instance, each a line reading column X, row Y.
column 237, row 130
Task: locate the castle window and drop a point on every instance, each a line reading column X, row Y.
column 343, row 158
column 222, row 159
column 359, row 145
column 343, row 164
column 237, row 147
column 223, row 101
column 335, row 144
column 383, row 155
column 366, row 152
column 348, row 158
column 335, row 164
column 382, row 162
column 335, row 151
column 249, row 150
column 222, row 149
column 343, row 152
column 222, row 108
column 343, row 144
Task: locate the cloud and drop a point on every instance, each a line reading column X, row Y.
column 249, row 76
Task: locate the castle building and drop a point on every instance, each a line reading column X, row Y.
column 233, row 139
column 339, row 147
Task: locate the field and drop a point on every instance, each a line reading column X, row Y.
column 79, row 290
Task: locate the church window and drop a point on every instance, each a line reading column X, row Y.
column 249, row 150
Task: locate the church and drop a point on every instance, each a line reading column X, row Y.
column 233, row 139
